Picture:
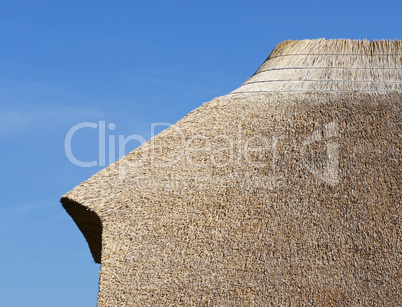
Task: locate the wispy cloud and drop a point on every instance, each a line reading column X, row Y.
column 22, row 117
column 30, row 215
column 21, row 89
column 29, row 104
column 35, row 206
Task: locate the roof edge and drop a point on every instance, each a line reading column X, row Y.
column 88, row 223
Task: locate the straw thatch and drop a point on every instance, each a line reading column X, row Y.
column 283, row 192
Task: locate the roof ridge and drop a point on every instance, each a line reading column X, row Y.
column 360, row 62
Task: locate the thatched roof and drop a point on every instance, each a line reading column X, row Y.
column 285, row 191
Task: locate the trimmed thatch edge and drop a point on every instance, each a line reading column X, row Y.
column 88, row 223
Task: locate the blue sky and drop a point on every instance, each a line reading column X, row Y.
column 131, row 63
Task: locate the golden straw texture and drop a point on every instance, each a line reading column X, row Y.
column 281, row 193
column 333, row 65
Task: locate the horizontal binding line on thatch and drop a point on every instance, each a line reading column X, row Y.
column 304, row 80
column 325, row 67
column 332, row 54
column 312, row 91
